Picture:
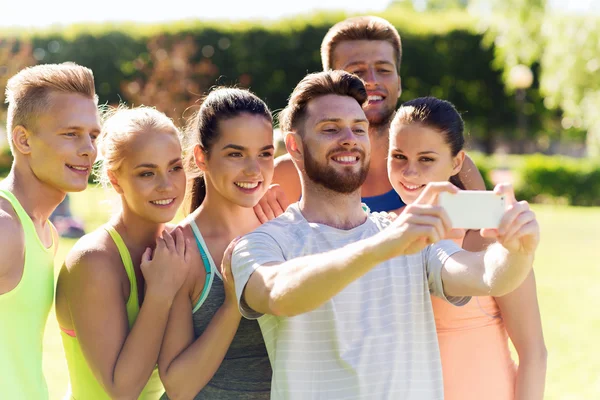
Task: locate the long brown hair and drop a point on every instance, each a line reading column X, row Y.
column 203, row 130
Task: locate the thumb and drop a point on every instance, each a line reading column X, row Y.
column 508, row 191
column 147, row 256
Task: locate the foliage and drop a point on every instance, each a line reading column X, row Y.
column 556, row 177
column 571, row 72
column 567, row 48
column 14, row 55
column 172, row 66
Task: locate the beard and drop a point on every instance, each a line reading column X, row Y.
column 328, row 177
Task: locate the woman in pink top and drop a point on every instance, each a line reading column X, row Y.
column 426, row 145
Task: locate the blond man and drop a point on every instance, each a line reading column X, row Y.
column 52, row 125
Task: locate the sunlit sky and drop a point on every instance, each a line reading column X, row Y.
column 41, row 13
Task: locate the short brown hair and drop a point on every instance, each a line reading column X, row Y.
column 27, row 92
column 317, row 85
column 360, row 28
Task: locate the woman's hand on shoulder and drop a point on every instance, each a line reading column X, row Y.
column 227, row 275
column 166, row 268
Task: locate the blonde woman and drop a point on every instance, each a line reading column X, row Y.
column 116, row 288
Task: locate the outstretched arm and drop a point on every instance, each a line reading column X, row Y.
column 267, row 283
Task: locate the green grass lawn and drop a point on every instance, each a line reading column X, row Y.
column 567, row 277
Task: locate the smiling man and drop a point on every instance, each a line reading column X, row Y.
column 371, row 48
column 342, row 296
column 52, row 125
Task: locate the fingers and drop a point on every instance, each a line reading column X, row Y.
column 179, row 241
column 280, row 196
column 515, row 231
column 188, row 247
column 434, row 211
column 428, row 234
column 226, row 262
column 266, row 206
column 147, row 256
column 455, row 234
column 509, row 217
column 169, row 242
column 489, row 233
column 260, row 213
column 430, row 221
column 432, row 190
column 160, row 242
column 508, row 191
column 276, row 208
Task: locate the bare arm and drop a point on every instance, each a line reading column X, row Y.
column 303, row 284
column 121, row 360
column 187, row 365
column 296, row 286
column 470, row 176
column 521, row 314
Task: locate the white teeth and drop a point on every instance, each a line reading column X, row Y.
column 79, row 168
column 375, row 98
column 162, row 202
column 346, row 159
column 411, row 187
column 247, row 185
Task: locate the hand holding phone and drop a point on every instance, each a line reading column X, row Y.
column 473, row 209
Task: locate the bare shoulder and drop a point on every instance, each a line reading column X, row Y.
column 286, row 175
column 470, row 175
column 94, row 258
column 13, row 239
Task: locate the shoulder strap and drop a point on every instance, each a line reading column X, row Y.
column 128, row 264
column 209, row 264
column 27, row 224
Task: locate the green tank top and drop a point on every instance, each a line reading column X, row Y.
column 23, row 315
column 83, row 383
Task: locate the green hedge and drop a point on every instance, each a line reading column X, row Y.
column 540, row 178
column 442, row 56
column 575, row 181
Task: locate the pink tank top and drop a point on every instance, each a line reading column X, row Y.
column 476, row 359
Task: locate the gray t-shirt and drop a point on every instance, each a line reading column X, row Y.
column 375, row 339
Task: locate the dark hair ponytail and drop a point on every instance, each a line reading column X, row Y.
column 203, row 130
column 440, row 115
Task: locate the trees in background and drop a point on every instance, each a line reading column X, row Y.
column 14, row 56
column 563, row 48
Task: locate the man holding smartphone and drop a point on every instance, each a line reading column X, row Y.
column 343, row 296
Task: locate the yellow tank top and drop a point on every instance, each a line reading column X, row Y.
column 23, row 315
column 83, row 383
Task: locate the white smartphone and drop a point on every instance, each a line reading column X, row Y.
column 473, row 209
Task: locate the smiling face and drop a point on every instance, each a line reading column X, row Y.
column 150, row 178
column 239, row 166
column 61, row 148
column 335, row 143
column 418, row 155
column 373, row 61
